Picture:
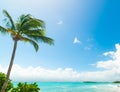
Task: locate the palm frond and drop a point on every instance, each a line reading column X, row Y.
column 12, row 32
column 25, row 18
column 41, row 38
column 46, row 40
column 25, row 39
column 10, row 22
column 3, row 30
column 34, row 32
column 27, row 28
column 18, row 26
column 22, row 19
column 33, row 23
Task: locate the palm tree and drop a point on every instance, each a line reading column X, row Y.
column 27, row 29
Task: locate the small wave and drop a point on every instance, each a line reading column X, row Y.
column 107, row 88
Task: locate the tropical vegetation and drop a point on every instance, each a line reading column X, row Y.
column 2, row 80
column 25, row 87
column 21, row 87
column 27, row 29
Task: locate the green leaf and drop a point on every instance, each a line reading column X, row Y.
column 31, row 41
column 31, row 23
column 3, row 30
column 41, row 38
column 10, row 22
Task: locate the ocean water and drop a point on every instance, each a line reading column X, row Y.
column 77, row 87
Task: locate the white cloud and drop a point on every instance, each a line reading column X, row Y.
column 68, row 74
column 76, row 40
column 42, row 74
column 112, row 66
column 114, row 62
column 110, row 72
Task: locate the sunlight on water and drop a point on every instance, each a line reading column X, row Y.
column 108, row 88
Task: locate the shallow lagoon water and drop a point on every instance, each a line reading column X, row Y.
column 78, row 87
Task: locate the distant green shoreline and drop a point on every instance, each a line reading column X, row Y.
column 100, row 82
column 68, row 82
column 116, row 82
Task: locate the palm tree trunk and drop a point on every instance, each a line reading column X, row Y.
column 9, row 68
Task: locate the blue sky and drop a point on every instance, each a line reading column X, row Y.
column 82, row 29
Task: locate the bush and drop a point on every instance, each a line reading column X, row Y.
column 21, row 87
column 24, row 87
column 2, row 80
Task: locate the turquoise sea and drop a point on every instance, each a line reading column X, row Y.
column 78, row 87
